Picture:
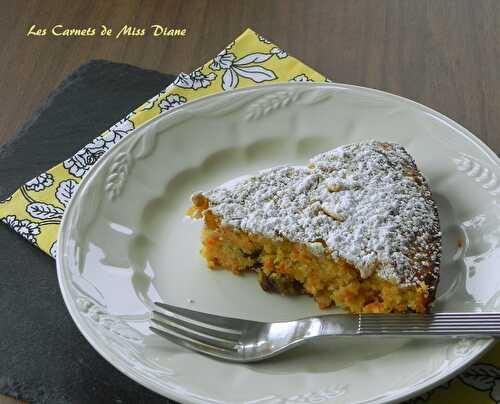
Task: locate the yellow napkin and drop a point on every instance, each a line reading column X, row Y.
column 35, row 210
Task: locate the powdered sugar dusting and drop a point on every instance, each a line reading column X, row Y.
column 367, row 202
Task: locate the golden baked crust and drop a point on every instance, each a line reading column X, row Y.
column 357, row 228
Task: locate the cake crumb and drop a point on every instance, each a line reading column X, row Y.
column 368, row 201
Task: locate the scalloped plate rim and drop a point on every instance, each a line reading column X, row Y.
column 119, row 364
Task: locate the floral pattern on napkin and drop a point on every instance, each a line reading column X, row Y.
column 35, row 210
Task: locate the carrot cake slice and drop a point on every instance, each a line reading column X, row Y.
column 357, row 228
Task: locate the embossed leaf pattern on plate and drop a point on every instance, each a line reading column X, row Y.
column 144, row 143
column 316, row 397
column 479, row 173
column 281, row 99
column 88, row 254
column 100, row 317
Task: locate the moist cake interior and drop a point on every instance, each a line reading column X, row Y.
column 376, row 244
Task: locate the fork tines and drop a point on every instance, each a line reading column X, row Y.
column 244, row 340
column 199, row 331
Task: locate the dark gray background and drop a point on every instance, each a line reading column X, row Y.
column 43, row 356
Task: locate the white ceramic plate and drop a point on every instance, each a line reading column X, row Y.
column 124, row 244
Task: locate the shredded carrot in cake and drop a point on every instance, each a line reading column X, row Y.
column 357, row 228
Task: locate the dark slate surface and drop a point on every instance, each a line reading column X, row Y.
column 43, row 356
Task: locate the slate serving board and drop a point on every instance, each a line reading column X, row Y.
column 43, row 356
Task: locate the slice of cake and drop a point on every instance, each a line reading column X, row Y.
column 357, row 228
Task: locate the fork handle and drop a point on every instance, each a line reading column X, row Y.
column 475, row 325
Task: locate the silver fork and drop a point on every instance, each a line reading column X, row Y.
column 240, row 340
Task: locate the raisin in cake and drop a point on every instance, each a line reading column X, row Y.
column 357, row 228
